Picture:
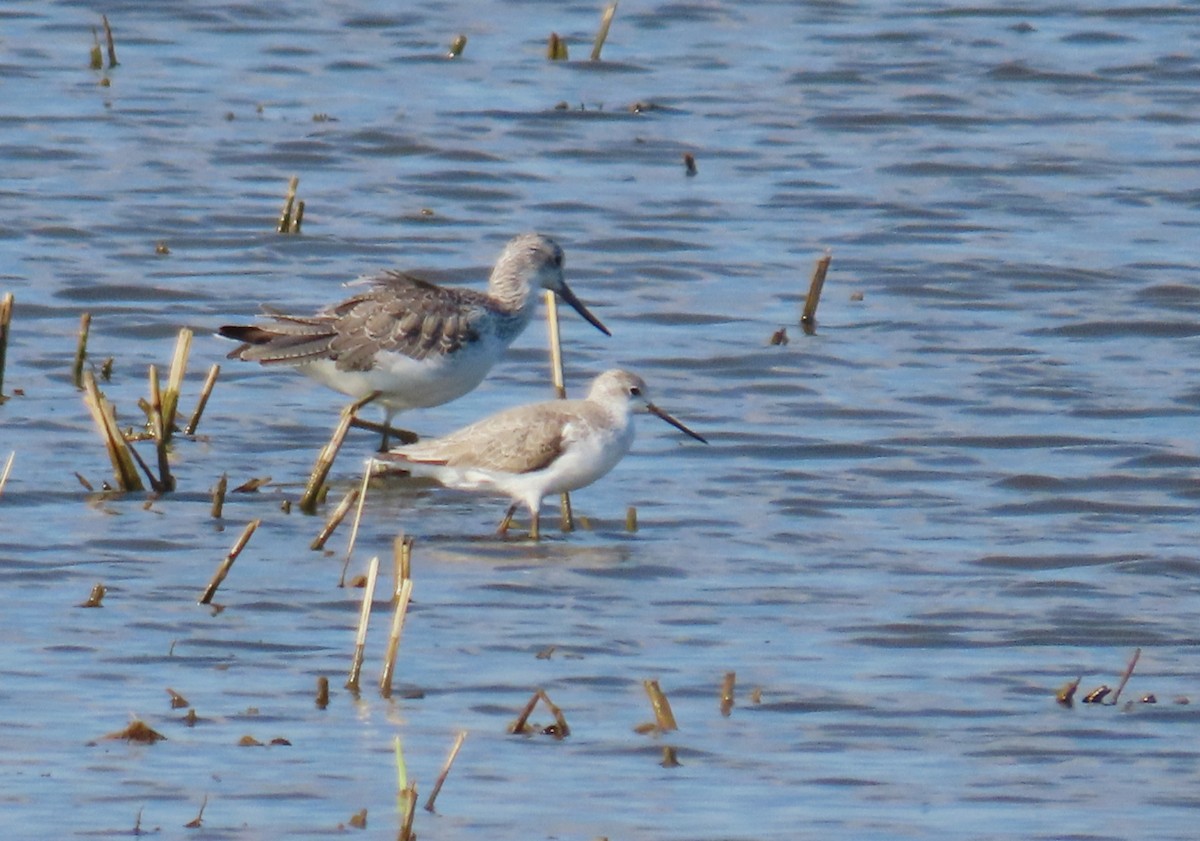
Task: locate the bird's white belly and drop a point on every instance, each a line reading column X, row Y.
column 587, row 460
column 407, row 383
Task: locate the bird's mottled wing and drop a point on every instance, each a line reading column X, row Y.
column 404, row 314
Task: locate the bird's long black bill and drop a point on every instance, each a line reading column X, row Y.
column 654, row 410
column 567, row 295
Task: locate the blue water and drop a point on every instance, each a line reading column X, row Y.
column 974, row 483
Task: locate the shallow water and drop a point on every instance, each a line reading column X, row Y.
column 975, row 482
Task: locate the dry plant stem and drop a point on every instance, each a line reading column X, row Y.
column 322, row 700
column 402, row 547
column 6, row 310
column 1128, row 672
column 562, row 730
column 85, row 326
column 393, row 647
column 124, row 469
column 560, row 389
column 556, row 48
column 441, row 778
column 285, row 218
column 308, row 502
column 108, row 38
column 336, row 518
column 7, row 469
column 362, row 498
column 298, row 219
column 602, row 34
column 218, row 503
column 364, row 616
column 213, row 373
column 408, row 808
column 809, row 315
column 727, row 692
column 183, row 346
column 518, row 726
column 662, row 707
column 227, row 564
column 457, row 46
column 631, row 524
column 165, row 481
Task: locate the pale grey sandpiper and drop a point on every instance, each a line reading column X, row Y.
column 416, row 343
column 529, row 452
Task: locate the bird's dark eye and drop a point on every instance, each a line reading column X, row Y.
column 635, row 391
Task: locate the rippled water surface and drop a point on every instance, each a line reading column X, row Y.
column 974, row 482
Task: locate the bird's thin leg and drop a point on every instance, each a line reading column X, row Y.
column 535, row 532
column 507, row 521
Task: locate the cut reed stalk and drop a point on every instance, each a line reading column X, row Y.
column 285, row 218
column 631, row 524
column 95, row 57
column 662, row 707
column 602, row 33
column 298, row 219
column 227, row 564
column 560, row 730
column 727, row 693
column 402, row 548
column 393, row 646
column 6, row 311
column 170, row 402
column 158, row 424
column 119, row 453
column 457, row 46
column 566, row 520
column 406, row 796
column 809, row 316
column 362, row 498
column 218, row 502
column 308, row 502
column 7, row 469
column 335, row 519
column 364, row 616
column 1128, row 672
column 213, row 373
column 108, row 39
column 322, row 700
column 520, row 724
column 556, row 48
column 441, row 778
column 85, row 326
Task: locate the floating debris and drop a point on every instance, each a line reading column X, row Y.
column 252, row 485
column 727, row 685
column 249, row 741
column 178, row 702
column 161, row 248
column 137, row 731
column 1097, row 695
column 95, row 598
column 779, row 337
column 689, row 164
column 359, row 819
column 196, row 822
column 457, row 46
column 1066, row 694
